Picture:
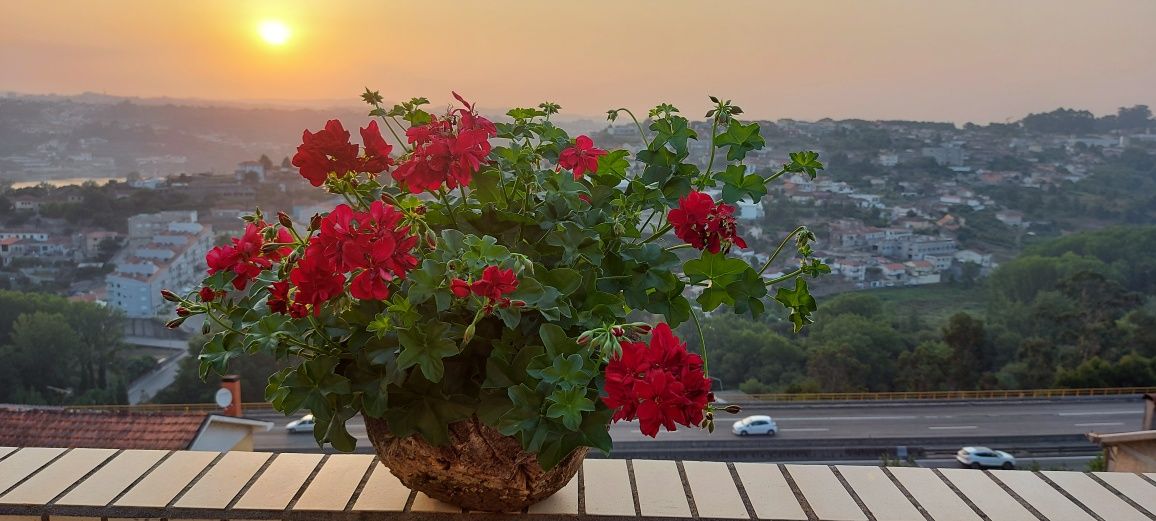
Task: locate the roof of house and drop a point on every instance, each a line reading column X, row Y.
column 1122, row 437
column 98, row 429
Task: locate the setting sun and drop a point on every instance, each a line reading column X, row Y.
column 274, row 32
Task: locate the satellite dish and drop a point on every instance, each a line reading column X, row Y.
column 224, row 397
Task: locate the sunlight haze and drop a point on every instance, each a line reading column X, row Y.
column 884, row 59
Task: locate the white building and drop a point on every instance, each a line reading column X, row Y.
column 173, row 259
column 146, row 225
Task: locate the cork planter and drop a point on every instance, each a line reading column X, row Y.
column 480, row 469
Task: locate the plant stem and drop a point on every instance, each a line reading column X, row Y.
column 449, row 209
column 702, row 342
column 777, row 175
column 710, row 164
column 400, row 141
column 779, row 250
column 661, row 231
column 788, row 276
column 637, row 124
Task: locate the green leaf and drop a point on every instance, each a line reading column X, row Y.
column 674, row 131
column 748, row 292
column 569, row 404
column 526, row 413
column 380, row 325
column 425, row 346
column 614, row 164
column 420, row 407
column 804, row 162
column 715, row 267
column 566, row 372
column 800, row 302
column 595, row 429
column 557, row 343
column 426, row 281
column 740, row 139
column 217, row 353
column 738, row 184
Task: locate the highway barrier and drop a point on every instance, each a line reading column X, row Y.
column 951, row 395
column 773, row 397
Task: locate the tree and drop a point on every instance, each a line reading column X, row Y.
column 43, row 347
column 837, row 369
column 965, row 336
column 266, row 163
column 1135, row 117
column 924, row 368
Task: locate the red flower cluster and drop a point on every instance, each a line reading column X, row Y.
column 446, row 151
column 371, row 244
column 661, row 385
column 329, row 150
column 581, row 158
column 494, row 285
column 244, row 256
column 704, row 224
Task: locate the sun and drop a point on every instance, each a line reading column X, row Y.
column 274, row 32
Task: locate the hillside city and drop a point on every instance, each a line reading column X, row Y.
column 107, row 202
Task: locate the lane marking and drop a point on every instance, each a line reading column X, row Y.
column 816, row 429
column 1103, row 424
column 845, row 418
column 952, row 427
column 1096, row 413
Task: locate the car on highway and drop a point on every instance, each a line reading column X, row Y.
column 304, row 424
column 764, row 425
column 980, row 457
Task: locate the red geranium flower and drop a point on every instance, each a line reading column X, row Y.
column 495, row 283
column 705, row 225
column 460, row 288
column 244, row 256
column 315, row 280
column 581, row 158
column 661, row 385
column 377, row 150
column 279, row 301
column 327, row 150
column 446, row 151
column 208, row 295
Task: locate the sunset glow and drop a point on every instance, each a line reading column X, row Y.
column 274, row 32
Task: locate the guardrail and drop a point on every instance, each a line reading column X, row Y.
column 774, row 397
column 952, row 395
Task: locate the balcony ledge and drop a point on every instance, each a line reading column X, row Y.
column 41, row 484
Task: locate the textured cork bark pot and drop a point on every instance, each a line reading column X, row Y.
column 480, row 469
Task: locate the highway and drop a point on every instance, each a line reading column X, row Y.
column 851, row 422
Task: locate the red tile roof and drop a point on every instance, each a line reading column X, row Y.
column 95, row 429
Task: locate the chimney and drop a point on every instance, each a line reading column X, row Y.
column 232, row 384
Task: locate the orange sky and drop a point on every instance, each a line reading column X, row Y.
column 959, row 60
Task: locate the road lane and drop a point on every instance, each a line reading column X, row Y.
column 838, row 421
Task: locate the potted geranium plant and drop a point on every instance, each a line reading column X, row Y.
column 493, row 295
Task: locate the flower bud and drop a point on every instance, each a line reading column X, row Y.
column 284, row 219
column 733, row 409
column 619, row 229
column 518, row 303
column 460, row 288
column 207, row 294
column 175, row 323
column 183, row 311
column 584, row 338
column 617, row 330
column 431, row 239
column 205, row 329
column 644, row 328
column 315, row 222
column 170, row 296
column 420, row 209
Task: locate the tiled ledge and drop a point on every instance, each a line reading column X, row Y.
column 89, row 484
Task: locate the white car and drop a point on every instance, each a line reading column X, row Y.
column 980, row 457
column 305, row 424
column 755, row 425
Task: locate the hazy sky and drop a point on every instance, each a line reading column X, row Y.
column 959, row 60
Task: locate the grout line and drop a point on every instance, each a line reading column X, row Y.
column 1119, row 494
column 301, row 491
column 141, row 478
column 742, row 490
column 409, row 501
column 35, row 472
column 249, row 484
column 854, row 495
column 82, row 479
column 167, row 508
column 811, row 515
column 633, row 487
column 581, row 477
column 686, row 490
column 361, row 484
column 9, row 455
column 1023, row 502
column 907, row 493
column 959, row 493
column 1069, row 496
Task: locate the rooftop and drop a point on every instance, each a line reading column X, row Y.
column 65, row 428
column 54, row 482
